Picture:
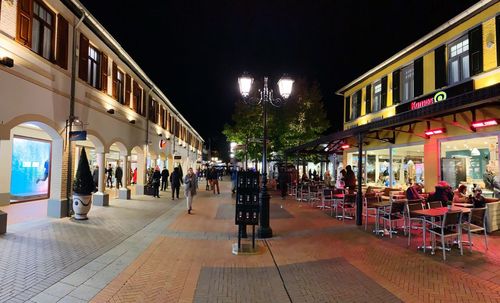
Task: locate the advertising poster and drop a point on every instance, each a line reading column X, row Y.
column 30, row 177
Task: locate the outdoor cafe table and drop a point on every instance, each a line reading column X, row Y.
column 434, row 213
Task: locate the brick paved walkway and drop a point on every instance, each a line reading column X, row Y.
column 312, row 258
column 151, row 250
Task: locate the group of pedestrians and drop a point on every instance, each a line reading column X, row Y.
column 108, row 172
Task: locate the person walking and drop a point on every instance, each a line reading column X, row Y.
column 350, row 178
column 156, row 182
column 175, row 182
column 109, row 176
column 118, row 176
column 234, row 177
column 214, row 176
column 164, row 179
column 282, row 181
column 190, row 186
column 95, row 175
column 134, row 176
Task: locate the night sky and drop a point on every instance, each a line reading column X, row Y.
column 195, row 50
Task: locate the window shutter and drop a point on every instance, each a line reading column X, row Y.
column 62, row 42
column 368, row 98
column 84, row 58
column 476, row 50
column 24, row 17
column 114, row 86
column 104, row 73
column 440, row 67
column 347, row 108
column 383, row 93
column 498, row 38
column 358, row 104
column 128, row 89
column 142, row 99
column 396, row 80
column 418, row 77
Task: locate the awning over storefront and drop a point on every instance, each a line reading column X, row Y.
column 468, row 101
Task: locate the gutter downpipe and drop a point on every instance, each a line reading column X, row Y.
column 71, row 118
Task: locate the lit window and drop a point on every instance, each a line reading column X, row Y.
column 42, row 31
column 119, row 87
column 93, row 67
column 458, row 62
column 407, row 92
column 377, row 96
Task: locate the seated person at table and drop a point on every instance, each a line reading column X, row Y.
column 460, row 195
column 443, row 193
column 413, row 192
column 477, row 198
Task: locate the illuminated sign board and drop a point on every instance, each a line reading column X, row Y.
column 436, row 97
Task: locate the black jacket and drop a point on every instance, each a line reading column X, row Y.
column 175, row 178
column 118, row 172
column 165, row 174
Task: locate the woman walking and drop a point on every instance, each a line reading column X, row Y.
column 156, row 182
column 190, row 184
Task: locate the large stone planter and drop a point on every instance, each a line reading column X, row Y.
column 81, row 206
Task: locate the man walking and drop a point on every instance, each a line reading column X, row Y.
column 109, row 176
column 175, row 180
column 118, row 176
column 164, row 179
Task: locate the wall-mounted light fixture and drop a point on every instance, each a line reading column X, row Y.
column 345, row 146
column 111, row 111
column 159, row 135
column 131, row 121
column 9, row 62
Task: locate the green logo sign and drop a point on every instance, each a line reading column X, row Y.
column 439, row 96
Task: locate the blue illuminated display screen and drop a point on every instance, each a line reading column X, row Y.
column 30, row 177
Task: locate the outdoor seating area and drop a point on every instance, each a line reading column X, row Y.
column 429, row 226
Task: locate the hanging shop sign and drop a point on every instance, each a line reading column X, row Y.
column 438, row 96
column 80, row 135
column 162, row 144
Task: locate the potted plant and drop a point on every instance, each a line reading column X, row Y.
column 83, row 187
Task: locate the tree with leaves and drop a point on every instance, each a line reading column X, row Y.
column 301, row 119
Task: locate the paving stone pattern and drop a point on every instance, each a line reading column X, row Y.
column 36, row 255
column 334, row 280
column 232, row 284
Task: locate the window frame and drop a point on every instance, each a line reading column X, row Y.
column 94, row 63
column 376, row 107
column 355, row 103
column 120, row 86
column 459, row 58
column 41, row 31
column 410, row 81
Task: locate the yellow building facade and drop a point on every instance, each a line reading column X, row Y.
column 430, row 112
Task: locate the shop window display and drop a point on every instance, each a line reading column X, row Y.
column 408, row 165
column 31, row 165
column 471, row 162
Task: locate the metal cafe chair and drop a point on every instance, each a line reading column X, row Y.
column 434, row 204
column 303, row 192
column 336, row 201
column 369, row 210
column 411, row 220
column 476, row 223
column 314, row 194
column 395, row 213
column 326, row 198
column 348, row 203
column 450, row 226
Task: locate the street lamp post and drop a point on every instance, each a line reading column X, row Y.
column 266, row 96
